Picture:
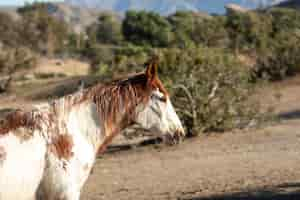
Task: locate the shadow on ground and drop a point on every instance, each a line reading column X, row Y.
column 295, row 114
column 289, row 191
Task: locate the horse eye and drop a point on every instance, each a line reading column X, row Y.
column 163, row 98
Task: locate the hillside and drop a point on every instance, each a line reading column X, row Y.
column 163, row 7
column 166, row 7
column 11, row 10
column 290, row 4
column 77, row 17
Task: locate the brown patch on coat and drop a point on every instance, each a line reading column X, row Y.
column 20, row 119
column 62, row 146
column 2, row 155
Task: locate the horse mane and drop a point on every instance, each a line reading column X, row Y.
column 112, row 100
column 120, row 97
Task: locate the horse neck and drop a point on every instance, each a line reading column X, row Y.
column 99, row 113
column 76, row 115
column 116, row 107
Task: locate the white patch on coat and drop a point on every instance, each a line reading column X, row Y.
column 63, row 179
column 159, row 116
column 23, row 168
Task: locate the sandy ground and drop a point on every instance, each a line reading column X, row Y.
column 202, row 167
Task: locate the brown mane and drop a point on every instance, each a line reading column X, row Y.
column 119, row 96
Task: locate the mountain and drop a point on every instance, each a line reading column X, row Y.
column 166, row 7
column 11, row 11
column 231, row 8
column 163, row 7
column 77, row 17
column 290, row 4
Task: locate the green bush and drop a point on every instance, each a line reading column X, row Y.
column 210, row 88
column 146, row 28
column 211, row 32
column 281, row 56
column 284, row 20
column 107, row 30
column 250, row 30
column 280, row 60
column 115, row 61
column 183, row 23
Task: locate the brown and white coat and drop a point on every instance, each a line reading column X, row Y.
column 48, row 153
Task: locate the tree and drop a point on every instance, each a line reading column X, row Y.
column 211, row 32
column 147, row 28
column 41, row 31
column 109, row 29
column 249, row 30
column 9, row 30
column 285, row 20
column 183, row 24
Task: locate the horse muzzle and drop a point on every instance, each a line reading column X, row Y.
column 174, row 138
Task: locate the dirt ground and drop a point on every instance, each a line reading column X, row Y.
column 257, row 164
column 267, row 159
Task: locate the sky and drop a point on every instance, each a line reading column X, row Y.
column 18, row 2
column 210, row 6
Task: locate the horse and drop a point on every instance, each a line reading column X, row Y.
column 48, row 153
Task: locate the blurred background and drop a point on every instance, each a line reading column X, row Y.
column 213, row 54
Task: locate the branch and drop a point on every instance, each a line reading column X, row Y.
column 213, row 92
column 190, row 98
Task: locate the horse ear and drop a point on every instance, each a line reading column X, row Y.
column 151, row 71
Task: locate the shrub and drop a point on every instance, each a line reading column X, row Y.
column 249, row 30
column 280, row 60
column 9, row 30
column 41, row 31
column 109, row 29
column 115, row 61
column 210, row 88
column 281, row 57
column 183, row 23
column 211, row 32
column 284, row 19
column 147, row 28
column 12, row 60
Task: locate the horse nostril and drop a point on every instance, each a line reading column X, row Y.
column 180, row 133
column 178, row 136
column 175, row 138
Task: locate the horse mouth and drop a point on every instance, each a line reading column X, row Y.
column 175, row 138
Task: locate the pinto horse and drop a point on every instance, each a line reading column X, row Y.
column 48, row 153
